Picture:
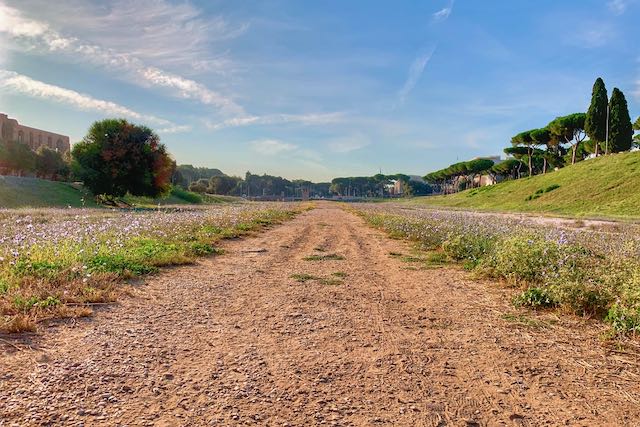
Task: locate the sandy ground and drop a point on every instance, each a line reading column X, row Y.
column 235, row 340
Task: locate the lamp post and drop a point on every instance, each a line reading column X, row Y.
column 606, row 144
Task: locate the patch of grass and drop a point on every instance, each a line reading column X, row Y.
column 319, row 249
column 19, row 192
column 522, row 320
column 395, row 254
column 340, row 274
column 303, row 277
column 328, row 257
column 331, row 282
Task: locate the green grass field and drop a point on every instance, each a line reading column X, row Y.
column 18, row 192
column 606, row 187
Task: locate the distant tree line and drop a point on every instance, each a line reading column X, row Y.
column 378, row 185
column 253, row 185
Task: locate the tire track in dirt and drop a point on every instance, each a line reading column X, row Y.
column 235, row 340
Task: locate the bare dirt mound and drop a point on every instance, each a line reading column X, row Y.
column 314, row 322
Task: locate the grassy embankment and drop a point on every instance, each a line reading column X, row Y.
column 18, row 192
column 606, row 187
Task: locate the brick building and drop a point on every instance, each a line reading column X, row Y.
column 10, row 129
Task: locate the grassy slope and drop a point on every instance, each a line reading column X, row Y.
column 603, row 187
column 16, row 192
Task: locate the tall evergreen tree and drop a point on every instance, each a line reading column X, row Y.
column 620, row 128
column 596, row 120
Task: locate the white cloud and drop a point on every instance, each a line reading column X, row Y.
column 349, row 144
column 174, row 129
column 443, row 13
column 131, row 42
column 272, row 147
column 618, row 7
column 415, row 71
column 18, row 83
column 271, row 119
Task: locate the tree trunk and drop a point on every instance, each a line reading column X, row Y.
column 544, row 165
column 597, row 153
column 574, row 148
column 530, row 151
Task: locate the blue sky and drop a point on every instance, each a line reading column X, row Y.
column 308, row 89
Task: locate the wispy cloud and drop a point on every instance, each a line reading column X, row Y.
column 443, row 13
column 39, row 35
column 592, row 35
column 350, row 143
column 618, row 7
column 415, row 71
column 17, row 83
column 272, row 119
column 272, row 147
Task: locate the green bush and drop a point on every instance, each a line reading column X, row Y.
column 551, row 188
column 526, row 259
column 468, row 247
column 623, row 319
column 187, row 196
column 535, row 298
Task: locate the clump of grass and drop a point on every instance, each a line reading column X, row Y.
column 328, row 257
column 340, row 274
column 319, row 249
column 331, row 282
column 303, row 277
column 522, row 320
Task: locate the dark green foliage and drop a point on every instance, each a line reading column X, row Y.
column 117, row 157
column 51, row 164
column 187, row 196
column 16, row 158
column 460, row 174
column 596, row 119
column 186, row 174
column 200, row 186
column 570, row 130
column 223, row 184
column 620, row 128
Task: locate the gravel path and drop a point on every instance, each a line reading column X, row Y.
column 235, row 340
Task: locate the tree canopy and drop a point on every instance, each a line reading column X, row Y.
column 620, row 128
column 117, row 157
column 595, row 124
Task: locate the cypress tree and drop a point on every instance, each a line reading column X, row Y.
column 596, row 121
column 620, row 128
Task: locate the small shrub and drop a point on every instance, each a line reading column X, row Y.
column 340, row 274
column 551, row 188
column 468, row 247
column 535, row 298
column 528, row 259
column 623, row 320
column 187, row 196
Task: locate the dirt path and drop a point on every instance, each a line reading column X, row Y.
column 235, row 341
